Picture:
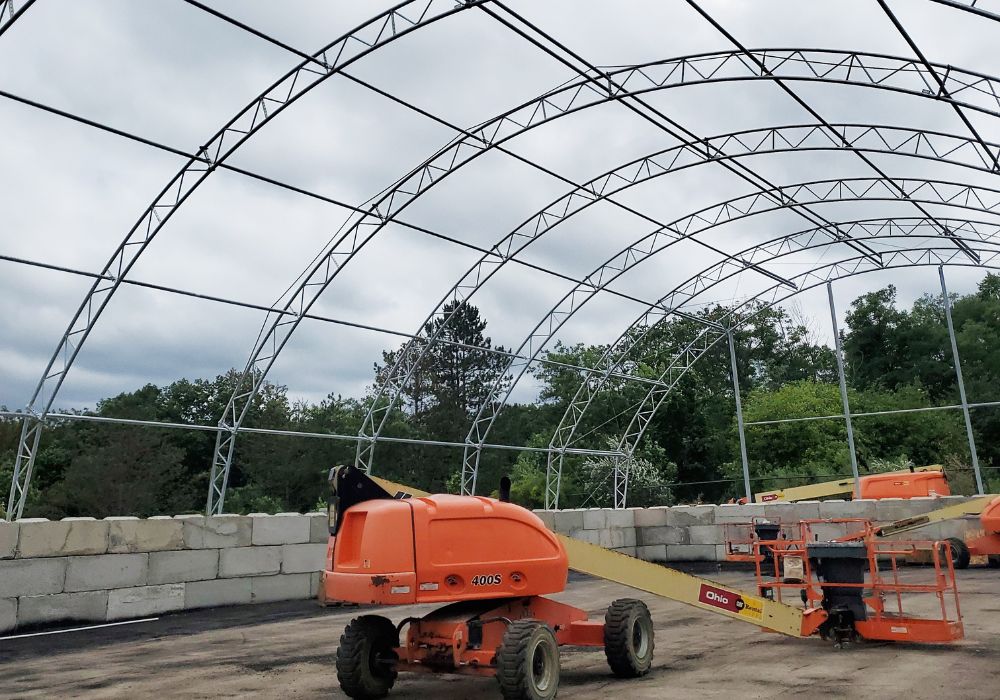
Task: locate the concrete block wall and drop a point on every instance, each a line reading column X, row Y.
column 87, row 570
column 698, row 532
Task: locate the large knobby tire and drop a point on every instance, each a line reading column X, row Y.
column 528, row 662
column 628, row 638
column 994, row 561
column 365, row 656
column 960, row 555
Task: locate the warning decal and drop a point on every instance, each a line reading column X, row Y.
column 730, row 601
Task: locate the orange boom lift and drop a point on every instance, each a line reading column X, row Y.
column 491, row 563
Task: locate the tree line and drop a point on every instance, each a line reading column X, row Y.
column 895, row 358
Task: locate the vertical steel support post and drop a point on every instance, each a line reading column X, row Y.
column 739, row 418
column 620, row 486
column 961, row 382
column 24, row 464
column 843, row 392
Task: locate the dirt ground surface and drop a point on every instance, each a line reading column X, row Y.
column 286, row 650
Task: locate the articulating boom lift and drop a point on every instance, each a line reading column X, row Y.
column 491, row 563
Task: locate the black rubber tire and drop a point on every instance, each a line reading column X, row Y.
column 994, row 561
column 367, row 642
column 528, row 662
column 960, row 555
column 628, row 638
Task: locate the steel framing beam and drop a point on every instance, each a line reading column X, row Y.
column 839, row 351
column 617, row 353
column 392, row 24
column 739, row 418
column 388, row 26
column 565, row 100
column 688, row 226
column 974, row 455
column 756, row 61
column 874, row 138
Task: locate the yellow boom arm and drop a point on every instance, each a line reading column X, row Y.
column 675, row 585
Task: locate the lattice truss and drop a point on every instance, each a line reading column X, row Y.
column 585, row 191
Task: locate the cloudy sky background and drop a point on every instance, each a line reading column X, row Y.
column 172, row 73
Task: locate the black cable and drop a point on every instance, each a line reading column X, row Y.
column 738, row 169
column 964, row 247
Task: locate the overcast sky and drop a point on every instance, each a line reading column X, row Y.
column 172, row 73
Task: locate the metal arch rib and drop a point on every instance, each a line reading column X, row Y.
column 989, row 258
column 277, row 329
column 390, row 25
column 869, row 138
column 387, row 27
column 617, row 353
column 690, row 225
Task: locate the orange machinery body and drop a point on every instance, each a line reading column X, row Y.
column 987, row 542
column 490, row 559
column 440, row 549
column 905, row 485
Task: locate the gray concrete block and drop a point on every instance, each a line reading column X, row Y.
column 125, row 603
column 319, row 527
column 889, row 510
column 106, row 571
column 266, row 589
column 591, row 536
column 61, row 537
column 211, row 594
column 651, row 517
column 8, row 539
column 315, row 581
column 567, row 520
column 738, row 513
column 691, row 552
column 91, row 606
column 216, row 532
column 847, row 509
column 302, row 558
column 825, row 532
column 184, row 565
column 249, row 561
column 595, row 518
column 667, row 534
column 706, row 534
column 8, row 614
column 792, row 512
column 134, row 535
column 31, row 577
column 546, row 516
column 283, row 528
column 682, row 516
column 653, row 552
column 612, row 538
column 620, row 518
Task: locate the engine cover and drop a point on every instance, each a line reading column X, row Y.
column 440, row 549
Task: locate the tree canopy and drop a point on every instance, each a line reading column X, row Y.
column 895, row 358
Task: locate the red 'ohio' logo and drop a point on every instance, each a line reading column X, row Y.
column 719, row 598
column 769, row 497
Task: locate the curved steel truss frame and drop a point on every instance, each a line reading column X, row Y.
column 962, row 89
column 617, row 355
column 854, row 189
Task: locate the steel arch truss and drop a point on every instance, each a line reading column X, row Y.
column 851, row 189
column 963, row 88
column 883, row 139
column 978, row 92
column 329, row 61
column 983, row 236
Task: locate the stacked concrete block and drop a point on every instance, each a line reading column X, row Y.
column 698, row 532
column 81, row 569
